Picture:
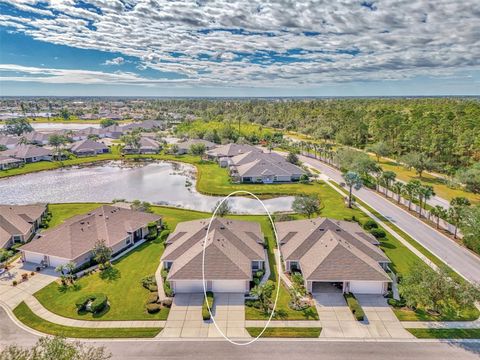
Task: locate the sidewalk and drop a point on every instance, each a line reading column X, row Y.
column 441, row 324
column 47, row 315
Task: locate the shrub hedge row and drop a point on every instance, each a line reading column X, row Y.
column 354, row 306
column 205, row 312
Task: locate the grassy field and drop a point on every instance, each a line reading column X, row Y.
column 285, row 332
column 27, row 317
column 445, row 333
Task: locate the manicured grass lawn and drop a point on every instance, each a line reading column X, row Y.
column 26, row 316
column 125, row 293
column 285, row 332
column 402, row 314
column 62, row 212
column 445, row 333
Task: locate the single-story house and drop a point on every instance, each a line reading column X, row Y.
column 336, row 252
column 114, row 131
column 147, row 146
column 234, row 251
column 37, row 138
column 19, row 222
column 9, row 141
column 74, row 239
column 88, row 147
column 90, row 131
column 184, row 146
column 260, row 167
column 29, row 153
column 7, row 162
column 223, row 153
column 145, row 125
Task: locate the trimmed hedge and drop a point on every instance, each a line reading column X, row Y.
column 153, row 308
column 370, row 224
column 205, row 312
column 354, row 306
column 152, row 298
column 98, row 302
column 378, row 233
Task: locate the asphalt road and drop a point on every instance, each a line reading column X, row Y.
column 274, row 350
column 462, row 260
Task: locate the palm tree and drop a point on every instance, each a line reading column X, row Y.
column 411, row 189
column 439, row 213
column 353, row 181
column 424, row 193
column 457, row 211
column 398, row 189
column 377, row 173
column 388, row 178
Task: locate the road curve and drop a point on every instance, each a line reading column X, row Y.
column 457, row 257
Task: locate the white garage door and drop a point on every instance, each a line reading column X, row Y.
column 366, row 287
column 230, row 286
column 188, row 286
column 33, row 257
column 54, row 261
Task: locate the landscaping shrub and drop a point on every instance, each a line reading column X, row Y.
column 253, row 303
column 152, row 298
column 148, row 281
column 378, row 233
column 153, row 308
column 164, row 234
column 98, row 302
column 14, row 282
column 370, row 224
column 167, row 303
column 167, row 289
column 153, row 288
column 205, row 312
column 396, row 303
column 354, row 306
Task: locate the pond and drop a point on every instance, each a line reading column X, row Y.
column 162, row 183
column 61, row 126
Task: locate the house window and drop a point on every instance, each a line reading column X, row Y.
column 294, row 266
column 257, row 265
column 17, row 238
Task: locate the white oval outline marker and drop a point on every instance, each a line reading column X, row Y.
column 203, row 267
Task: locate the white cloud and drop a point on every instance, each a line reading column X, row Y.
column 115, row 61
column 248, row 42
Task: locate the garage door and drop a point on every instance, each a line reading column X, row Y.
column 366, row 287
column 231, row 286
column 189, row 286
column 33, row 257
column 54, row 261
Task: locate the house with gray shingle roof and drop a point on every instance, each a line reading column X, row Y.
column 184, row 146
column 19, row 222
column 260, row 167
column 328, row 251
column 223, row 153
column 7, row 162
column 147, row 146
column 9, row 141
column 234, row 251
column 88, row 148
column 74, row 239
column 29, row 153
column 37, row 138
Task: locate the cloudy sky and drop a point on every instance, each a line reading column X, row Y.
column 239, row 48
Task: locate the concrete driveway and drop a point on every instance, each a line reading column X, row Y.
column 14, row 295
column 185, row 317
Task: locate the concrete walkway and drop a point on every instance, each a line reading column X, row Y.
column 47, row 315
column 441, row 324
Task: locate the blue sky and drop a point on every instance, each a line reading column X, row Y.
column 246, row 48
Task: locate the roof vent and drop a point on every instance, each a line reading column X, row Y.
column 338, row 230
column 82, row 222
column 321, row 229
column 222, row 227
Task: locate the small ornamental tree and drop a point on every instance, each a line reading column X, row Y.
column 306, row 205
column 379, row 149
column 264, row 295
column 223, row 208
column 293, row 158
column 198, row 150
column 101, row 252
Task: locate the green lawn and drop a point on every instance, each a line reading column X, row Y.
column 445, row 333
column 285, row 332
column 125, row 293
column 27, row 317
column 404, row 314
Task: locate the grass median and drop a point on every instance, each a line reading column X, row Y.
column 285, row 332
column 23, row 313
column 445, row 333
